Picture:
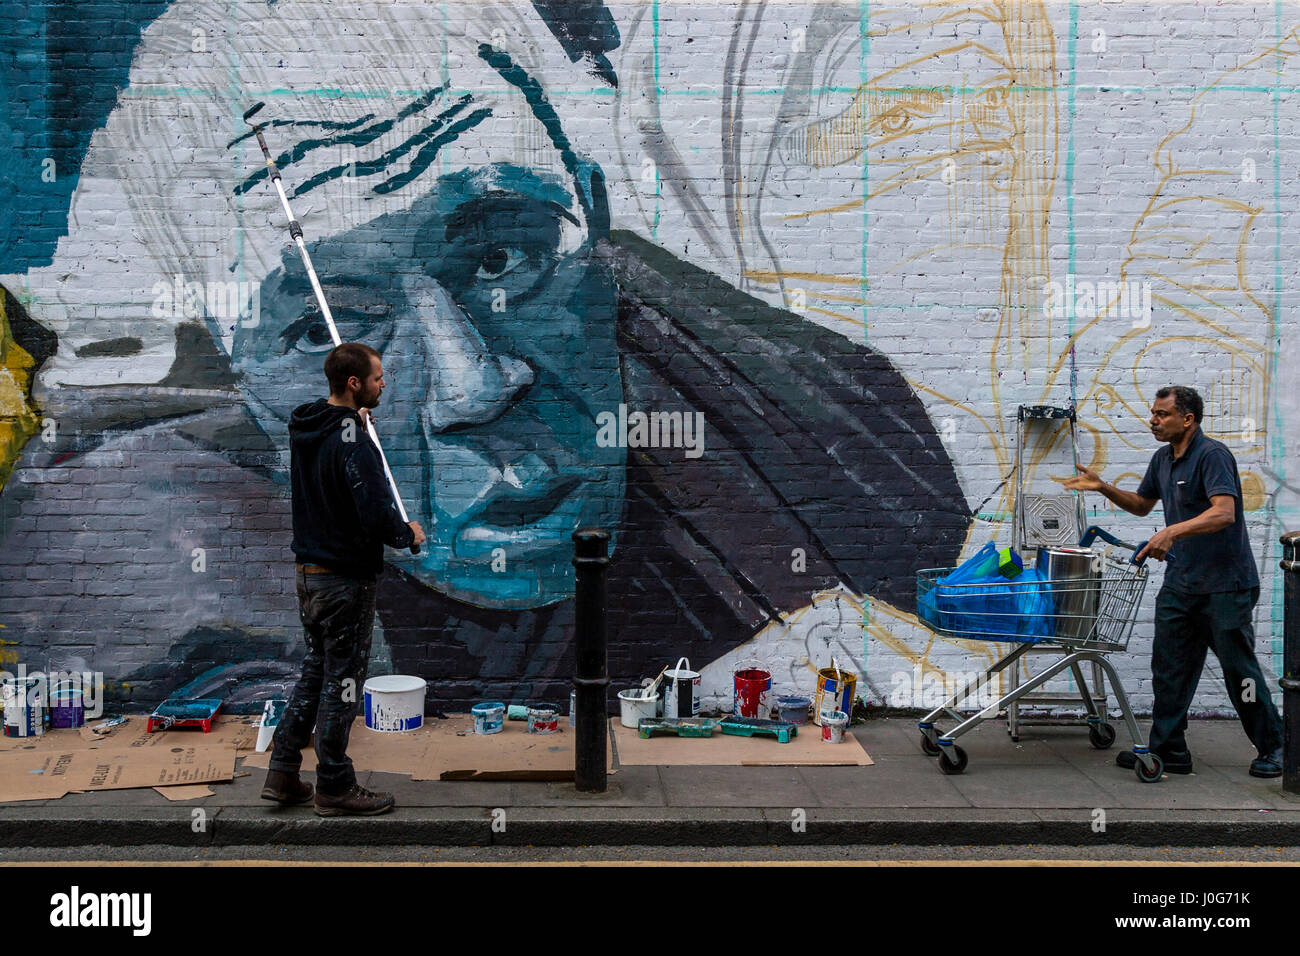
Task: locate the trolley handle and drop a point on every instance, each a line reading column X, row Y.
column 1095, row 532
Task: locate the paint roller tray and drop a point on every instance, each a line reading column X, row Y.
column 782, row 730
column 681, row 726
column 185, row 713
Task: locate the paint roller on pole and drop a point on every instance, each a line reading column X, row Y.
column 295, row 231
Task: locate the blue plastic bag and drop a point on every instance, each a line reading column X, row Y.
column 975, row 601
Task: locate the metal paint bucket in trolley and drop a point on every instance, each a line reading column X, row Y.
column 681, row 690
column 24, row 706
column 835, row 691
column 67, row 705
column 752, row 688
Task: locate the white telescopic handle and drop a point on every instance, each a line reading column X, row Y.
column 295, row 230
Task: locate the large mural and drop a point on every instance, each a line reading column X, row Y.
column 757, row 287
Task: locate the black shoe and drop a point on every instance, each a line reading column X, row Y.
column 358, row 802
column 1173, row 763
column 1267, row 765
column 286, row 788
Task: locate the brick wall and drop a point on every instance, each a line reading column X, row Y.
column 846, row 240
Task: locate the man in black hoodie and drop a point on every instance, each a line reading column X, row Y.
column 343, row 515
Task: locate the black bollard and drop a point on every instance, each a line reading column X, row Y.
column 1291, row 665
column 591, row 659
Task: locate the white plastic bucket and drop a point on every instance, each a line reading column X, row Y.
column 681, row 690
column 632, row 708
column 394, row 703
column 833, row 724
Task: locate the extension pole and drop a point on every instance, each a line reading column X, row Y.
column 295, row 230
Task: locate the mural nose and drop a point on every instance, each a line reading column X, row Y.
column 466, row 383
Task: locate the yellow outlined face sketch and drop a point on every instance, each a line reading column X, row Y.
column 1205, row 247
column 891, row 169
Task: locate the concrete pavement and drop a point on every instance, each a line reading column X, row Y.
column 1050, row 788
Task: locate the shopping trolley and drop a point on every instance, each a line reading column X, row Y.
column 1080, row 618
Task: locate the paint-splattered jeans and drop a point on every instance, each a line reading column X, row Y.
column 338, row 618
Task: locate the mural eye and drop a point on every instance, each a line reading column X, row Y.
column 897, row 120
column 498, row 261
column 994, row 99
column 315, row 337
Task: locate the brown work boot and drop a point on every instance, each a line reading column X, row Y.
column 358, row 802
column 286, row 788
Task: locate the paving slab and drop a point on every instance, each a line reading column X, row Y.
column 736, row 787
column 440, row 793
column 892, row 781
column 639, row 786
column 1054, row 783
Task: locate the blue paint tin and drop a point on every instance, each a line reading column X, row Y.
column 489, row 717
column 66, row 706
column 794, row 710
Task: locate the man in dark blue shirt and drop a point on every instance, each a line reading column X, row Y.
column 343, row 515
column 1211, row 584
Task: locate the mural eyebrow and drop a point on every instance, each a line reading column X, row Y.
column 430, row 150
column 363, row 137
column 372, row 166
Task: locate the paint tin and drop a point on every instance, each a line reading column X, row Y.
column 632, row 707
column 681, row 690
column 67, row 708
column 794, row 710
column 752, row 688
column 24, row 708
column 833, row 724
column 835, row 690
column 489, row 717
column 543, row 719
column 394, row 703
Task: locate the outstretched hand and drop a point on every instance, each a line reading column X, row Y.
column 1087, row 481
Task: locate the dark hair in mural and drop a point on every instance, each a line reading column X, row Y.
column 345, row 361
column 1186, row 400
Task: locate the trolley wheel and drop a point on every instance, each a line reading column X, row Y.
column 1015, row 738
column 1149, row 776
column 1101, row 735
column 929, row 747
column 953, row 764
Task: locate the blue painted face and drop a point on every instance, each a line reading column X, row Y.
column 496, row 323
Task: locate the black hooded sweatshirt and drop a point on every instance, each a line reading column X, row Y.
column 343, row 510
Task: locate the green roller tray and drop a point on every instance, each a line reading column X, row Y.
column 782, row 730
column 681, row 726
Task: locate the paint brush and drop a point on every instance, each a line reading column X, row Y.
column 649, row 691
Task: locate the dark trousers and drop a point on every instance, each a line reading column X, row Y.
column 338, row 619
column 1187, row 625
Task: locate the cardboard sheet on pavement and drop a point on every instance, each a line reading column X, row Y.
column 186, row 791
column 52, row 764
column 227, row 731
column 722, row 750
column 450, row 750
